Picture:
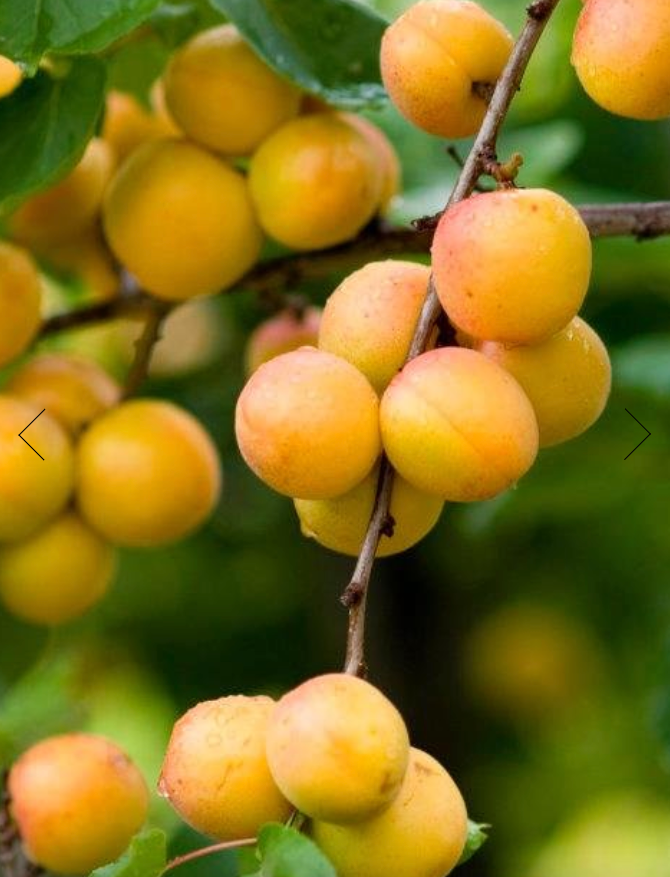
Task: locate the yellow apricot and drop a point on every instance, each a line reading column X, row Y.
column 370, row 318
column 422, row 833
column 567, row 379
column 77, row 800
column 386, row 155
column 10, row 76
column 439, row 59
column 621, row 53
column 65, row 210
column 87, row 257
column 20, row 301
column 148, row 474
column 307, row 423
column 193, row 336
column 215, row 772
column 181, row 220
column 223, row 96
column 56, row 574
column 127, row 124
column 512, row 266
column 315, row 182
column 31, row 490
column 457, row 425
column 73, row 390
column 341, row 523
column 284, row 332
column 337, row 748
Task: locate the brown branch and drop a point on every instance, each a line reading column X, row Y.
column 642, row 221
column 208, row 851
column 482, row 152
column 156, row 312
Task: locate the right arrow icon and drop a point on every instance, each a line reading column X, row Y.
column 643, row 440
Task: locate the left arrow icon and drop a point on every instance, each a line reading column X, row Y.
column 26, row 427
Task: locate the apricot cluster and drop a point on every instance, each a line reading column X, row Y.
column 335, row 749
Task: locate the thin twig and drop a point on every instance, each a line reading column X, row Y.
column 156, row 313
column 208, row 851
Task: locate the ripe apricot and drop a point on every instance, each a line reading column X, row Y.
column 10, row 76
column 215, row 772
column 20, row 301
column 567, row 379
column 337, row 748
column 223, row 95
column 512, row 266
column 282, row 333
column 56, row 574
column 387, row 156
column 341, row 523
column 127, row 124
column 65, row 210
column 421, row 834
column 439, row 59
column 370, row 318
column 181, row 220
column 148, row 474
column 621, row 53
column 73, row 390
column 315, row 182
column 194, row 334
column 307, row 423
column 31, row 490
column 77, row 800
column 457, row 425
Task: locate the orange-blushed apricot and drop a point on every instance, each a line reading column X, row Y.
column 282, row 333
column 10, row 76
column 20, row 301
column 387, row 156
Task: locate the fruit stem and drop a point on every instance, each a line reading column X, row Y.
column 208, row 851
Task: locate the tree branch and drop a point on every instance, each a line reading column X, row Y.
column 482, row 153
column 156, row 312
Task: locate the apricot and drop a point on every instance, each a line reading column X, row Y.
column 65, row 210
column 457, row 425
column 148, row 474
column 10, row 76
column 567, row 379
column 77, row 800
column 621, row 52
column 73, row 390
column 223, row 96
column 421, row 834
column 56, row 574
column 194, row 334
column 341, row 523
column 512, row 266
column 307, row 423
column 127, row 124
column 215, row 772
column 284, row 332
column 370, row 318
column 20, row 301
column 439, row 61
column 386, row 155
column 31, row 490
column 337, row 748
column 87, row 258
column 315, row 182
column 181, row 220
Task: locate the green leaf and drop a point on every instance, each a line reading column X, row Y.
column 477, row 837
column 284, row 852
column 328, row 47
column 44, row 128
column 31, row 28
column 145, row 857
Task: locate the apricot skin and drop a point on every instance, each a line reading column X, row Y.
column 370, row 318
column 57, row 574
column 181, row 220
column 432, row 57
column 315, row 182
column 73, row 390
column 224, row 96
column 215, row 772
column 512, row 266
column 78, row 800
column 567, row 379
column 457, row 425
column 307, row 423
column 422, row 833
column 10, row 76
column 337, row 748
column 386, row 155
column 127, row 124
column 621, row 53
column 20, row 301
column 31, row 490
column 148, row 474
column 341, row 523
column 282, row 333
